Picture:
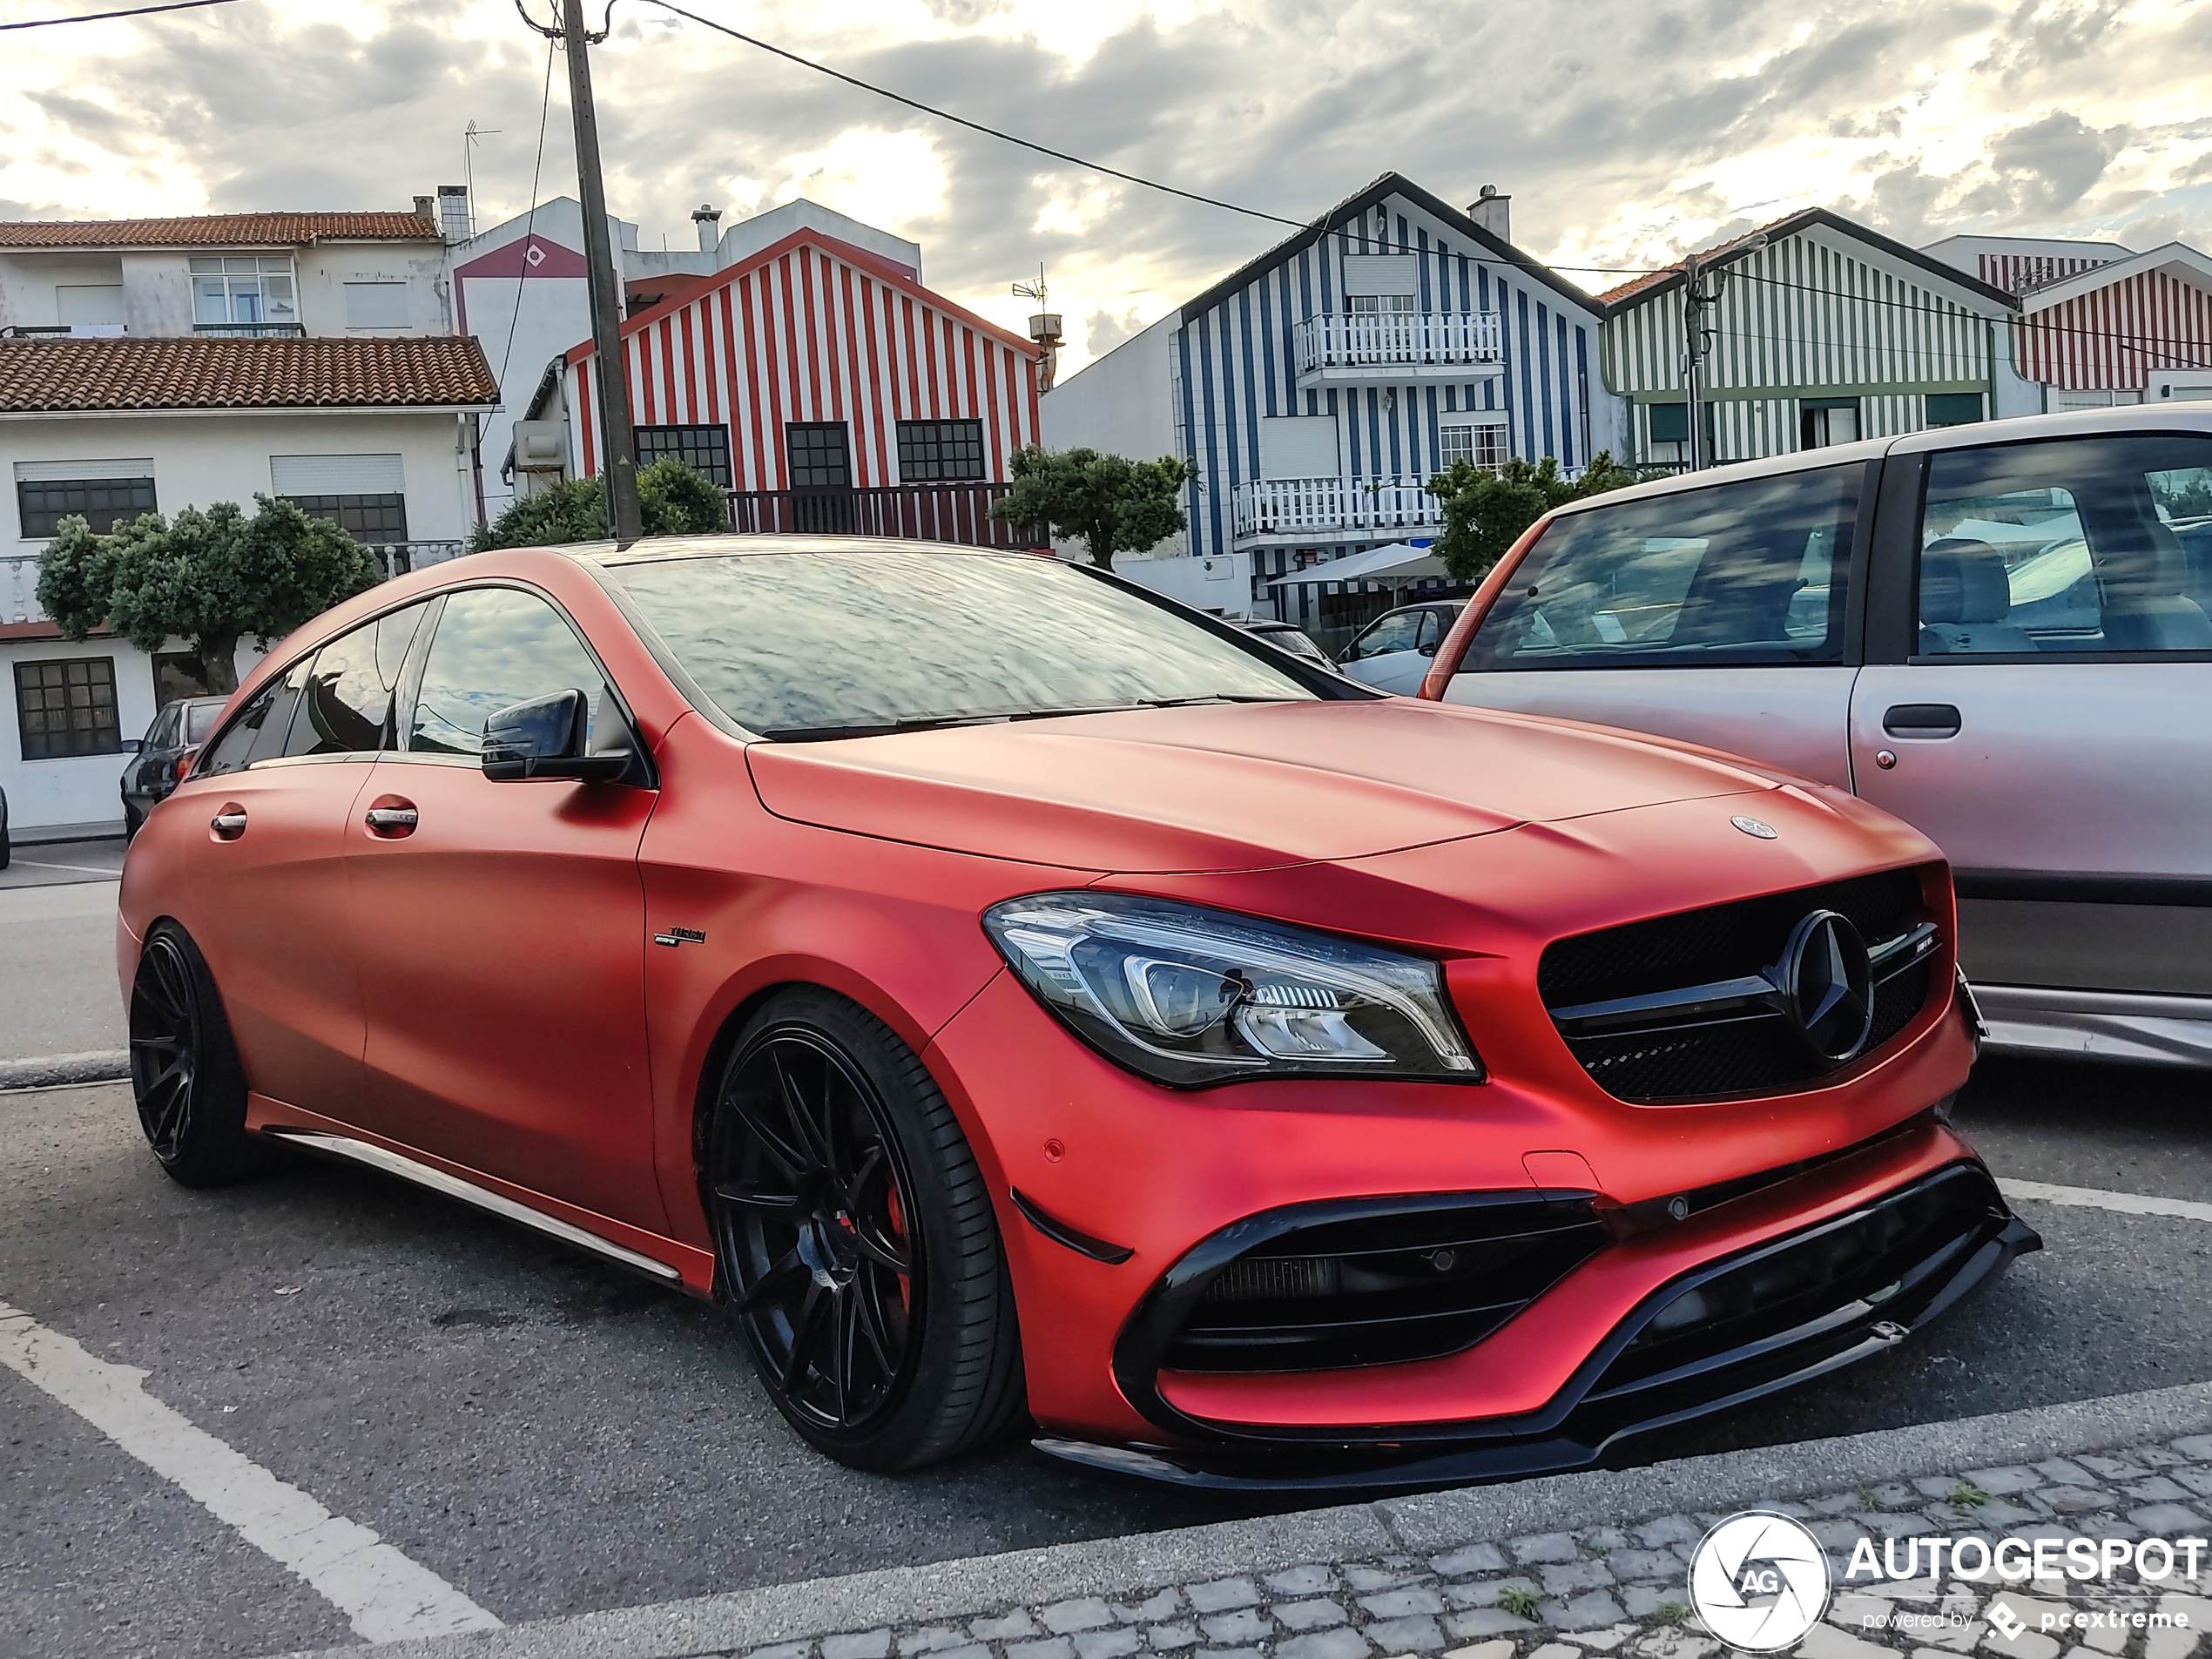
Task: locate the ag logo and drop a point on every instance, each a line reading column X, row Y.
column 1760, row 1581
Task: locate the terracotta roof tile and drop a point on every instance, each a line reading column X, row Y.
column 218, row 230
column 61, row 377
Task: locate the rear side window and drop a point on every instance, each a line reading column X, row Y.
column 261, row 728
column 2071, row 545
column 1743, row 574
column 347, row 708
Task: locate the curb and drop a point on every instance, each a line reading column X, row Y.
column 54, row 1071
column 1419, row 1526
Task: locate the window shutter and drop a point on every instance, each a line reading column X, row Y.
column 70, row 472
column 337, row 475
column 1382, row 273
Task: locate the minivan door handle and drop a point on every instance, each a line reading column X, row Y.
column 1921, row 720
column 229, row 824
column 391, row 822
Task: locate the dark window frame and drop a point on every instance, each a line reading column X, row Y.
column 801, row 448
column 60, row 498
column 373, row 519
column 929, row 450
column 704, row 448
column 1956, row 402
column 39, row 679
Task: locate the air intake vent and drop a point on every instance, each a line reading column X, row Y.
column 1379, row 1288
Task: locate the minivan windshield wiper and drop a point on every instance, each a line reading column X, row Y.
column 998, row 717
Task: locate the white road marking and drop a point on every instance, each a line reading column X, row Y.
column 388, row 1597
column 88, row 869
column 2128, row 1204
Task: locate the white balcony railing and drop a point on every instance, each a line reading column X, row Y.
column 1302, row 507
column 1398, row 340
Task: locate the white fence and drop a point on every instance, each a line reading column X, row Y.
column 1398, row 338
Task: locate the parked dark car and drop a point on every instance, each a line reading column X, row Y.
column 6, row 852
column 150, row 774
column 1288, row 636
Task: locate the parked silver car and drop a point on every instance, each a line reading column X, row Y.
column 1998, row 632
column 1394, row 652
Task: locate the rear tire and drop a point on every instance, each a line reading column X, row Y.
column 855, row 1241
column 185, row 1068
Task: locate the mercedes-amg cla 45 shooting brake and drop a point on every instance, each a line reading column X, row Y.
column 1019, row 999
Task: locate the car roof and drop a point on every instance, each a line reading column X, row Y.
column 612, row 555
column 2189, row 416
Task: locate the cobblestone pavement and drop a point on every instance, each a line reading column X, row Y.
column 1623, row 1590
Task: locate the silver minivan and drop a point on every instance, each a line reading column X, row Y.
column 1998, row 632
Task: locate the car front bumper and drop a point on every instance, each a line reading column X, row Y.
column 1930, row 1241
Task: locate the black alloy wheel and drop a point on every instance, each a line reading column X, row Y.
column 185, row 1069
column 854, row 1240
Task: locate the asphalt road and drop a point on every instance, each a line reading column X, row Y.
column 551, row 1435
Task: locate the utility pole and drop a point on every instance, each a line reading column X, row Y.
column 1697, row 337
column 618, row 442
column 1693, row 354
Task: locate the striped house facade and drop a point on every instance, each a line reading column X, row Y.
column 1288, row 337
column 2110, row 329
column 1319, row 388
column 1827, row 333
column 826, row 389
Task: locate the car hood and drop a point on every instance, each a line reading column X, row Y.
column 1231, row 786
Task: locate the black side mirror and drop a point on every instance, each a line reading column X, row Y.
column 546, row 738
column 1429, row 650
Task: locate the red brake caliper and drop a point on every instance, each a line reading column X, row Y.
column 899, row 1231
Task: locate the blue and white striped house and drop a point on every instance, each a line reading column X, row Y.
column 1320, row 386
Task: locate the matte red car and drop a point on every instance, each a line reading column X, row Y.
column 1013, row 994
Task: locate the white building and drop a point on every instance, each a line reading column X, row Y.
column 373, row 431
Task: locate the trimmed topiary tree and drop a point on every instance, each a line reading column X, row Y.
column 212, row 576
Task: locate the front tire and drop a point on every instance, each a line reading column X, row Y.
column 185, row 1068
column 855, row 1241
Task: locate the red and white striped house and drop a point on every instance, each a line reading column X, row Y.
column 827, row 390
column 2099, row 324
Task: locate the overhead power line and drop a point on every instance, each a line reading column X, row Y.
column 975, row 127
column 103, row 17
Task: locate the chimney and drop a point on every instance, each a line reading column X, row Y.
column 1494, row 212
column 706, row 219
column 453, row 212
column 426, row 208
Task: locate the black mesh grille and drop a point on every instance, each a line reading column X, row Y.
column 1377, row 1289
column 1752, row 1055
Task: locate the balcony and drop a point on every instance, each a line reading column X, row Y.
column 1399, row 346
column 1276, row 510
column 956, row 513
column 398, row 558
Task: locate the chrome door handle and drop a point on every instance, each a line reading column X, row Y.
column 228, row 826
column 391, row 820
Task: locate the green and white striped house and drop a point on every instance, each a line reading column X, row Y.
column 1827, row 333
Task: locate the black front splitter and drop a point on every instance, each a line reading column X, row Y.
column 1580, row 1437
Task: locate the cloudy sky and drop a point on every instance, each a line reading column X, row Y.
column 1626, row 131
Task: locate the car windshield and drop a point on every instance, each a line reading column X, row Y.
column 848, row 640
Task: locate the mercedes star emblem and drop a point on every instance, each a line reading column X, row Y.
column 1829, row 986
column 1765, row 830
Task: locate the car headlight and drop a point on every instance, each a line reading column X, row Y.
column 1187, row 995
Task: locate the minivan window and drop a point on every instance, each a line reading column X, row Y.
column 2068, row 545
column 854, row 639
column 1740, row 573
